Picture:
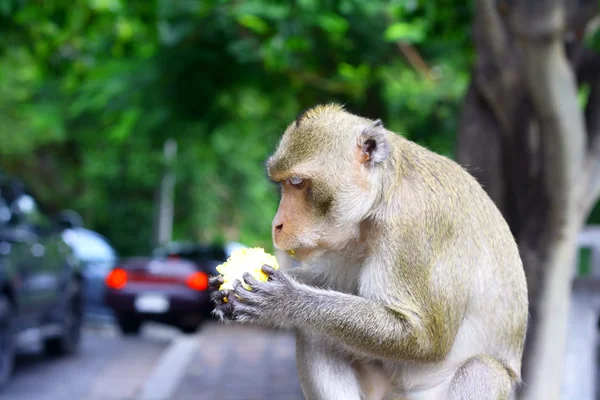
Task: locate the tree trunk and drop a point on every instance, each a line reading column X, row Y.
column 522, row 104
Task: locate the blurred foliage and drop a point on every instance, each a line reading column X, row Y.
column 91, row 89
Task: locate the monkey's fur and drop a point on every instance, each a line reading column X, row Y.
column 411, row 285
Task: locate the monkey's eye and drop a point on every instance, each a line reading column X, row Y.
column 297, row 182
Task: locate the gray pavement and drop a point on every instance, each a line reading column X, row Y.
column 220, row 362
column 107, row 367
column 241, row 363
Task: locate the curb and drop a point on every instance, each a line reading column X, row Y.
column 165, row 377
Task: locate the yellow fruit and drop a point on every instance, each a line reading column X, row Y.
column 245, row 260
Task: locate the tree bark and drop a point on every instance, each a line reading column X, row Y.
column 522, row 103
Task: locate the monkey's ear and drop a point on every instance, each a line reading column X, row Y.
column 374, row 147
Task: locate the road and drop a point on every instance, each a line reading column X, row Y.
column 107, row 367
column 240, row 362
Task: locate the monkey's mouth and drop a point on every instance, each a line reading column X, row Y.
column 298, row 248
column 296, row 253
column 301, row 253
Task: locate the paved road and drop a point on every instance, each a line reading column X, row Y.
column 108, row 367
column 239, row 362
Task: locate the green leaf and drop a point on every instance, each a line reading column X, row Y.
column 408, row 32
column 125, row 126
column 125, row 29
column 253, row 23
column 583, row 95
column 106, row 5
column 332, row 23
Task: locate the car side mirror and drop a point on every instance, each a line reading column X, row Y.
column 69, row 219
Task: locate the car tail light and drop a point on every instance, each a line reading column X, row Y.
column 197, row 281
column 116, row 279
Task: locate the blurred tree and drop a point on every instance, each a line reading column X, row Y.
column 90, row 90
column 530, row 125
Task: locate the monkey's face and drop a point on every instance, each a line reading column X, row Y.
column 325, row 167
column 298, row 226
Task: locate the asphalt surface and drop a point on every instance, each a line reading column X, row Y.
column 238, row 362
column 232, row 362
column 108, row 366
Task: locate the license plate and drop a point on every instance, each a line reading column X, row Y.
column 152, row 303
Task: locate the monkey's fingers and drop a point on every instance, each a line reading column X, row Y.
column 218, row 296
column 244, row 313
column 250, row 280
column 225, row 310
column 239, row 290
column 215, row 282
column 267, row 269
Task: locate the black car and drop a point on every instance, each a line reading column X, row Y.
column 171, row 287
column 206, row 257
column 41, row 284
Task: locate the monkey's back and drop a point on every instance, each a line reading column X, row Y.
column 474, row 245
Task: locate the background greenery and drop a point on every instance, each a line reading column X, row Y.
column 91, row 89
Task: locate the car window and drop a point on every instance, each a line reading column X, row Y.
column 89, row 245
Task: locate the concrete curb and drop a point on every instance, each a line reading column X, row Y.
column 172, row 365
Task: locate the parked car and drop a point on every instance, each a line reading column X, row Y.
column 170, row 287
column 98, row 258
column 206, row 257
column 41, row 284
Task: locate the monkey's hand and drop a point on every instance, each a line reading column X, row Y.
column 223, row 310
column 263, row 304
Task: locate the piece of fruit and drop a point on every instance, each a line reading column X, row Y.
column 245, row 260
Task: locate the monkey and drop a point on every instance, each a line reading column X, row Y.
column 411, row 285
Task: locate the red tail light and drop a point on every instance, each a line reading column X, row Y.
column 116, row 279
column 197, row 281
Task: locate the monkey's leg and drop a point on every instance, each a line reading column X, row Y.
column 323, row 374
column 481, row 378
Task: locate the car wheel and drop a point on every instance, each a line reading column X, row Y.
column 189, row 328
column 129, row 325
column 68, row 341
column 7, row 339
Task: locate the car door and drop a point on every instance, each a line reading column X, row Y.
column 15, row 262
column 42, row 268
column 15, row 247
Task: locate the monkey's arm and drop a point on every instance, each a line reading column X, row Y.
column 403, row 331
